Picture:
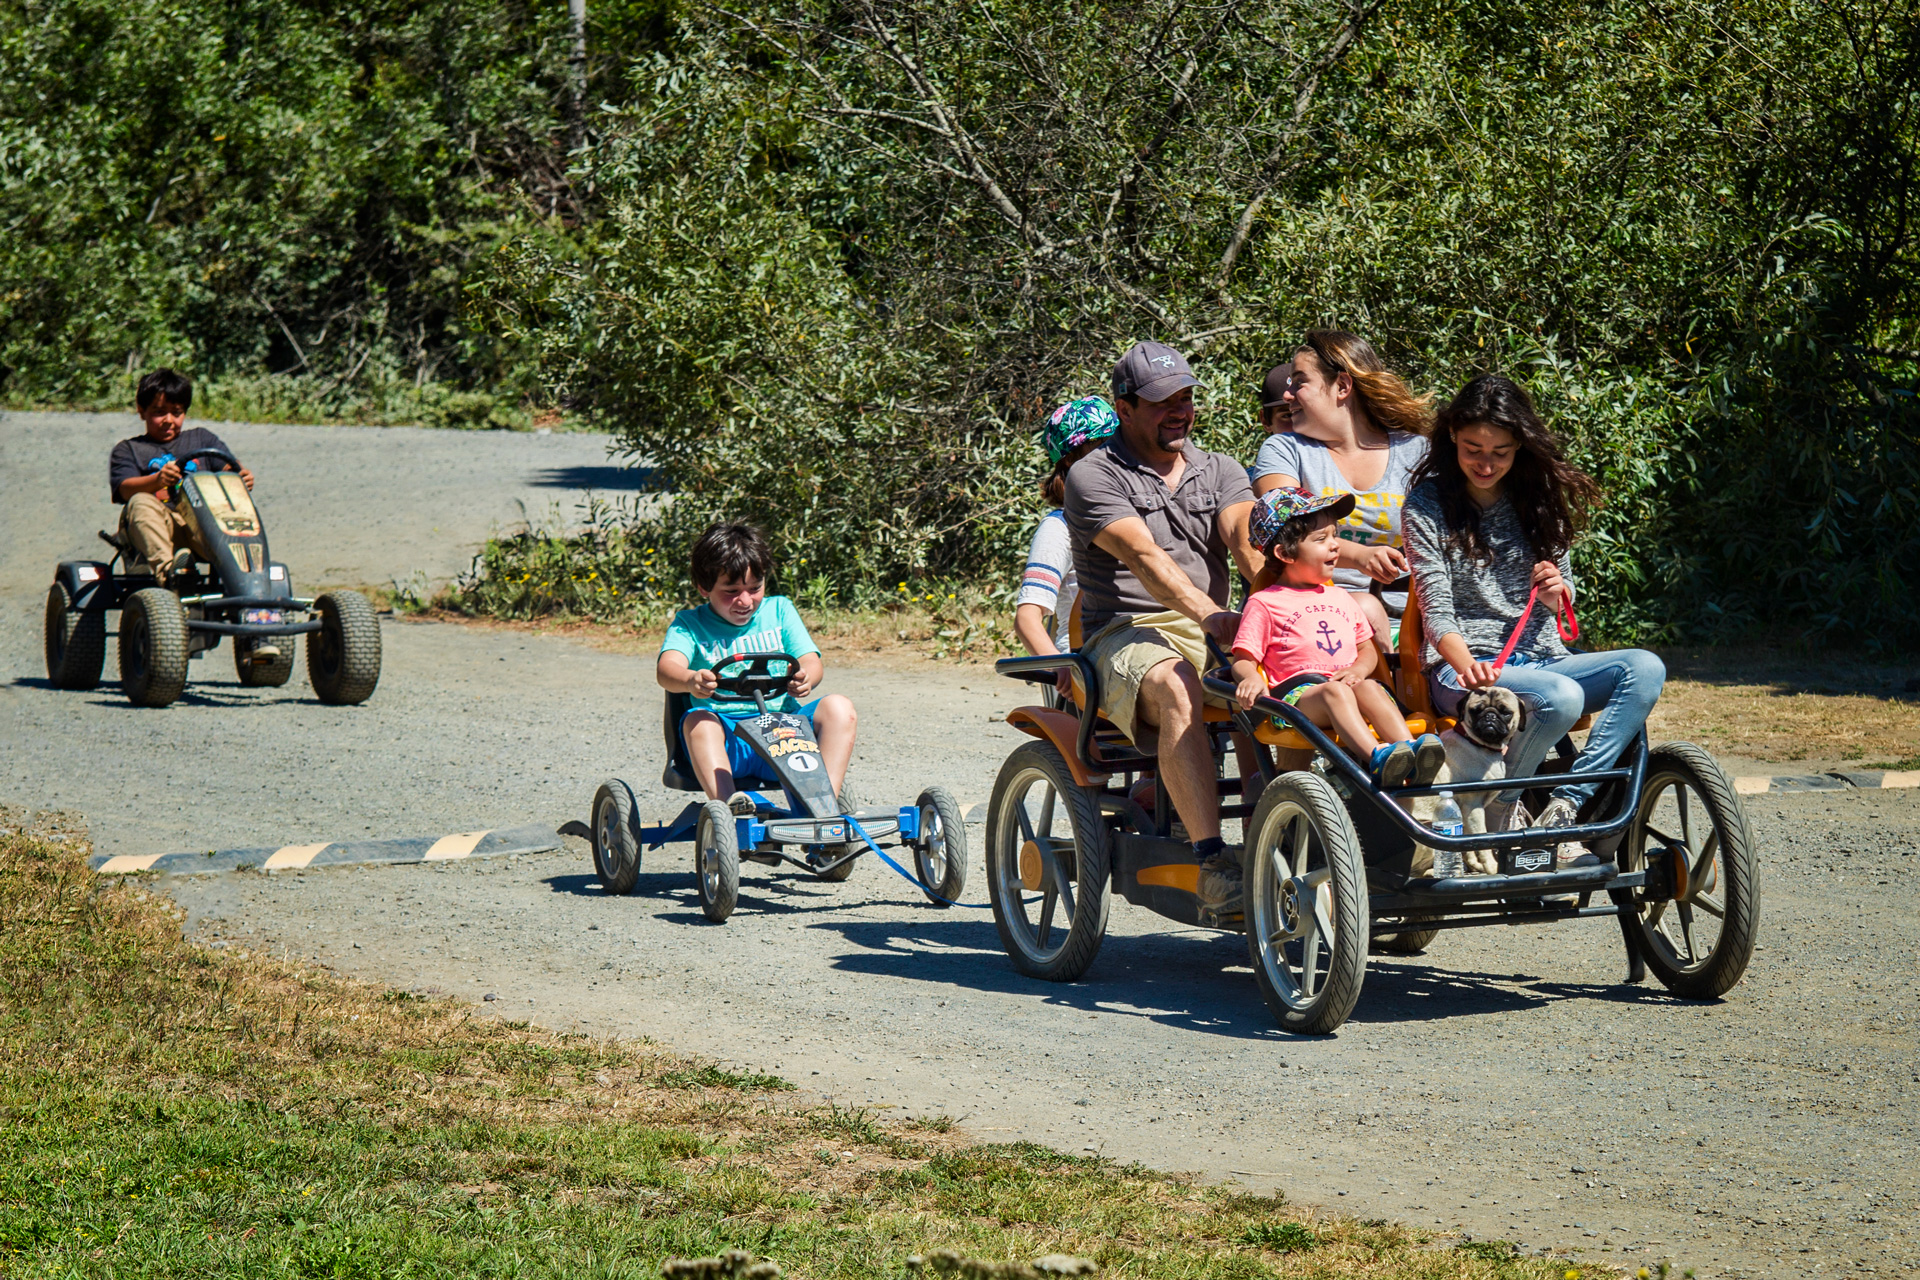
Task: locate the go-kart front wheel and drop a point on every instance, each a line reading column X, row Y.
column 343, row 658
column 1306, row 904
column 716, row 859
column 258, row 672
column 153, row 647
column 940, row 851
column 616, row 837
column 1699, row 942
column 1047, row 865
column 76, row 641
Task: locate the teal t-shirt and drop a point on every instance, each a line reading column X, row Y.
column 705, row 637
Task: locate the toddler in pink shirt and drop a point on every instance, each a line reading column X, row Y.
column 1304, row 625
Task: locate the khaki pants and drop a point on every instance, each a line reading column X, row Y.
column 156, row 531
column 1124, row 651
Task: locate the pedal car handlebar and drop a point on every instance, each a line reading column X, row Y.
column 757, row 678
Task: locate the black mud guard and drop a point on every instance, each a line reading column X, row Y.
column 89, row 585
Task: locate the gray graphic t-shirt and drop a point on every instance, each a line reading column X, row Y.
column 1376, row 512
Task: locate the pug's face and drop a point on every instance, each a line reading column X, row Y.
column 1492, row 716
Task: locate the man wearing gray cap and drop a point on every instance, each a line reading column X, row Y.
column 1153, row 520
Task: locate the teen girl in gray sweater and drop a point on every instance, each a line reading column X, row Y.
column 1492, row 513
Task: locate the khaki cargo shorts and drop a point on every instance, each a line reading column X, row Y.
column 1126, row 649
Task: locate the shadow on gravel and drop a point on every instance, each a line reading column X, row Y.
column 606, row 477
column 1423, row 993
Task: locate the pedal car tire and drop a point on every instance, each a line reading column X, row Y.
column 1723, row 875
column 849, row 800
column 153, row 647
column 940, row 854
column 1304, row 880
column 256, row 674
column 1031, row 944
column 616, row 837
column 1410, row 943
column 343, row 658
column 716, row 860
column 76, row 641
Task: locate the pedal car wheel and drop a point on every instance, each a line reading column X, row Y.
column 76, row 641
column 940, row 854
column 343, row 658
column 1052, row 921
column 1699, row 943
column 849, row 803
column 1410, row 943
column 716, row 859
column 153, row 647
column 1306, row 904
column 264, row 673
column 616, row 837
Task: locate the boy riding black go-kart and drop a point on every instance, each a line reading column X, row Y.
column 243, row 594
column 829, row 833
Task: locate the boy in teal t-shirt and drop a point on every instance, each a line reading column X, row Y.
column 731, row 562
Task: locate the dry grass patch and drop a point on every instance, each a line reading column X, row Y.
column 1786, row 706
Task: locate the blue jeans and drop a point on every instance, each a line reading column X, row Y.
column 1618, row 687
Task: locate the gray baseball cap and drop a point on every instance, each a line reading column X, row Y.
column 1152, row 371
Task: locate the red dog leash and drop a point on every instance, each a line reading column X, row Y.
column 1569, row 629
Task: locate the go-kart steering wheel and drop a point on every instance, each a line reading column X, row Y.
column 757, row 675
column 198, row 454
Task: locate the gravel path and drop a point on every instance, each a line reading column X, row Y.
column 1504, row 1083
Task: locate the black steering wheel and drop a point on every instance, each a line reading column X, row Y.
column 753, row 673
column 198, row 454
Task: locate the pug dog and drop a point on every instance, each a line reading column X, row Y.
column 1490, row 719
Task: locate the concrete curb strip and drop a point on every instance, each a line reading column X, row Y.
column 1754, row 785
column 291, row 857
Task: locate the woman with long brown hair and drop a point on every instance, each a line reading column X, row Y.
column 1492, row 515
column 1353, row 427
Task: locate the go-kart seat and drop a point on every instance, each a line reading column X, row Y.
column 1209, row 714
column 678, row 775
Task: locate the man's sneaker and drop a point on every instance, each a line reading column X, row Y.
column 1392, row 763
column 1429, row 757
column 743, row 804
column 1220, row 884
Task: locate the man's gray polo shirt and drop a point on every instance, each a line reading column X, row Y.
column 1111, row 484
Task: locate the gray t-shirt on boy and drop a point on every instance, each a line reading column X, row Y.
column 1375, row 520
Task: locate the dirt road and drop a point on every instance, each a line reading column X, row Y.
column 1504, row 1083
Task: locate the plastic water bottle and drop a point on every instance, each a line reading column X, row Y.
column 1448, row 821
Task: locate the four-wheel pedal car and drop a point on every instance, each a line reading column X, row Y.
column 1329, row 859
column 244, row 594
column 807, row 827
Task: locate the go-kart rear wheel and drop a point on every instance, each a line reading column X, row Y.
column 1698, row 944
column 1410, row 943
column 153, row 647
column 716, row 860
column 76, row 641
column 616, row 837
column 1066, row 872
column 264, row 673
column 1306, row 912
column 849, row 802
column 343, row 658
column 940, row 852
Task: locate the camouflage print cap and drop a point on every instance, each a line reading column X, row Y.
column 1272, row 510
column 1075, row 423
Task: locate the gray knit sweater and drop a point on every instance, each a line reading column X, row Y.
column 1480, row 601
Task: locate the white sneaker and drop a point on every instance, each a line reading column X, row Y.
column 743, row 804
column 1561, row 812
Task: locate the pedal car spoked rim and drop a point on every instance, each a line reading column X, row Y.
column 1688, row 827
column 716, row 856
column 1046, row 866
column 940, row 850
column 1306, row 924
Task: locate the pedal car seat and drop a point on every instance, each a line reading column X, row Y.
column 678, row 775
column 1209, row 714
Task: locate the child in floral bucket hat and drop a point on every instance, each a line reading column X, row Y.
column 1305, row 625
column 1047, row 586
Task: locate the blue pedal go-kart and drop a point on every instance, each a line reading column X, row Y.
column 806, row 825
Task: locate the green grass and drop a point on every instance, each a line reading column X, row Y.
column 166, row 1110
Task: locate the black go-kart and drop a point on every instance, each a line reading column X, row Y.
column 808, row 827
column 1333, row 862
column 244, row 594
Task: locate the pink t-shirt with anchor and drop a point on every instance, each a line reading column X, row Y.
column 1290, row 630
